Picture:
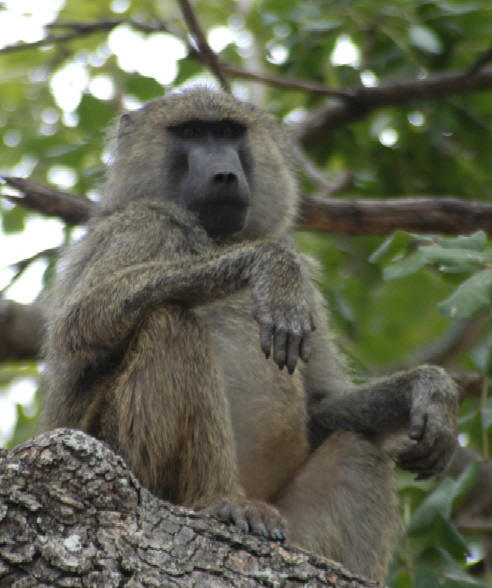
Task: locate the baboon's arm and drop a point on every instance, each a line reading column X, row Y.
column 422, row 402
column 109, row 301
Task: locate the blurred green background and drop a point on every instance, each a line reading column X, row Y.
column 417, row 299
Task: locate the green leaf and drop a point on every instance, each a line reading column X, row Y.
column 13, row 220
column 476, row 241
column 425, row 39
column 396, row 242
column 441, row 501
column 437, row 503
column 464, row 483
column 25, row 428
column 425, row 578
column 472, row 296
column 186, row 70
column 409, row 265
column 448, row 538
column 94, row 114
column 439, row 255
column 143, row 87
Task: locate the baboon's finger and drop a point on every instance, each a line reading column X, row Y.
column 293, row 349
column 266, row 332
column 279, row 347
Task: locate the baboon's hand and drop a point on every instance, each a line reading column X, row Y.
column 432, row 428
column 281, row 308
column 251, row 517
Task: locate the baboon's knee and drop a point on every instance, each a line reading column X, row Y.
column 342, row 504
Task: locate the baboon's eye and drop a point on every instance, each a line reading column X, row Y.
column 189, row 132
column 230, row 130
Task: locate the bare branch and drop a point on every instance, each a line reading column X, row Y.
column 208, row 55
column 20, row 328
column 335, row 113
column 325, row 187
column 77, row 29
column 482, row 60
column 381, row 217
column 282, row 82
column 21, row 265
column 348, row 217
column 352, row 104
column 72, row 209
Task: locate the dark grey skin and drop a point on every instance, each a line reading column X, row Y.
column 186, row 331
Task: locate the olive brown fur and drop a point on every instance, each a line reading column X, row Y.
column 162, row 320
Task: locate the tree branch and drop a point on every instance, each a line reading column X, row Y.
column 72, row 209
column 348, row 217
column 482, row 60
column 21, row 331
column 352, row 103
column 73, row 514
column 380, row 217
column 361, row 101
column 81, row 29
column 287, row 83
column 207, row 55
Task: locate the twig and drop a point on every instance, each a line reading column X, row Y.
column 323, row 185
column 311, row 171
column 208, row 55
column 482, row 60
column 353, row 104
column 78, row 29
column 23, row 264
column 281, row 82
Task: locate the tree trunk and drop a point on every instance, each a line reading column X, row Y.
column 72, row 514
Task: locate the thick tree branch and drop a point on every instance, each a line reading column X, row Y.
column 335, row 113
column 71, row 513
column 380, row 217
column 349, row 217
column 72, row 209
column 21, row 330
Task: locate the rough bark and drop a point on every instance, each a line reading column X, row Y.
column 71, row 514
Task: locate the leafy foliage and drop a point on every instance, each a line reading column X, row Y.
column 390, row 298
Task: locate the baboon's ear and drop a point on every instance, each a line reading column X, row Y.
column 125, row 125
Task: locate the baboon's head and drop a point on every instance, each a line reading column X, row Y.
column 220, row 158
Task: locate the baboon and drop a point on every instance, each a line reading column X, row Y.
column 160, row 320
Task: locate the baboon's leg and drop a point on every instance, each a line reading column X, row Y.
column 172, row 417
column 342, row 505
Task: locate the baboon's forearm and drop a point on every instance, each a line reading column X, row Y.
column 105, row 315
column 373, row 409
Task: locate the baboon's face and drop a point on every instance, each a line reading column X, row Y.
column 210, row 169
